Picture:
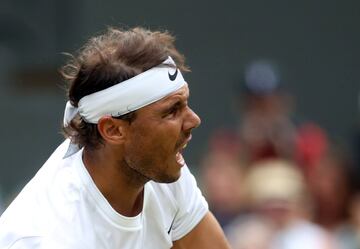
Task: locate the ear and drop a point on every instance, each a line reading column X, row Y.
column 112, row 130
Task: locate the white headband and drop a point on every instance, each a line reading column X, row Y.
column 130, row 95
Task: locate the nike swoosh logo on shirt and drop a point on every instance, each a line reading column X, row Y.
column 172, row 223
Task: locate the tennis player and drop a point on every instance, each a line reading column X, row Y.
column 119, row 180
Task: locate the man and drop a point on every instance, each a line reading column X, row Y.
column 119, row 180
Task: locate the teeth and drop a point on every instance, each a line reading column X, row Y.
column 184, row 146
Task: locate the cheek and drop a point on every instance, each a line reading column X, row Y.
column 150, row 147
column 161, row 137
column 158, row 137
column 160, row 147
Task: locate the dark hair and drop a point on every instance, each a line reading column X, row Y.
column 108, row 59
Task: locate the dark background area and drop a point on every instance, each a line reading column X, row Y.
column 314, row 43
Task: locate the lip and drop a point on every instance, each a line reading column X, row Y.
column 180, row 147
column 186, row 142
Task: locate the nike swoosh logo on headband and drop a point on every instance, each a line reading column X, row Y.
column 172, row 77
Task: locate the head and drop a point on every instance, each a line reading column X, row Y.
column 109, row 60
column 276, row 189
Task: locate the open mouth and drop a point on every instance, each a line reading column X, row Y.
column 179, row 157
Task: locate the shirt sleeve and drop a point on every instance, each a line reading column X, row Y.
column 192, row 205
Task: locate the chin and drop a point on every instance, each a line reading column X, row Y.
column 168, row 178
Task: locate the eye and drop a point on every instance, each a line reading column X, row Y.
column 173, row 111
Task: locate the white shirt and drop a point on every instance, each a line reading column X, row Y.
column 61, row 208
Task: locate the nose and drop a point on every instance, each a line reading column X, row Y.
column 191, row 120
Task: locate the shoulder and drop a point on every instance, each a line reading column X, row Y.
column 50, row 196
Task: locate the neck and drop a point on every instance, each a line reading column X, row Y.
column 121, row 186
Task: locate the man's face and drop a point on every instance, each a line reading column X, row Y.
column 158, row 135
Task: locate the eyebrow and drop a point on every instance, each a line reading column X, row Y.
column 185, row 96
column 175, row 102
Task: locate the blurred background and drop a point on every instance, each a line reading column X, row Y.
column 276, row 84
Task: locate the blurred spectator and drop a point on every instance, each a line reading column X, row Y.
column 222, row 176
column 329, row 182
column 250, row 232
column 347, row 236
column 277, row 194
column 276, row 188
column 336, row 195
column 268, row 128
column 312, row 144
